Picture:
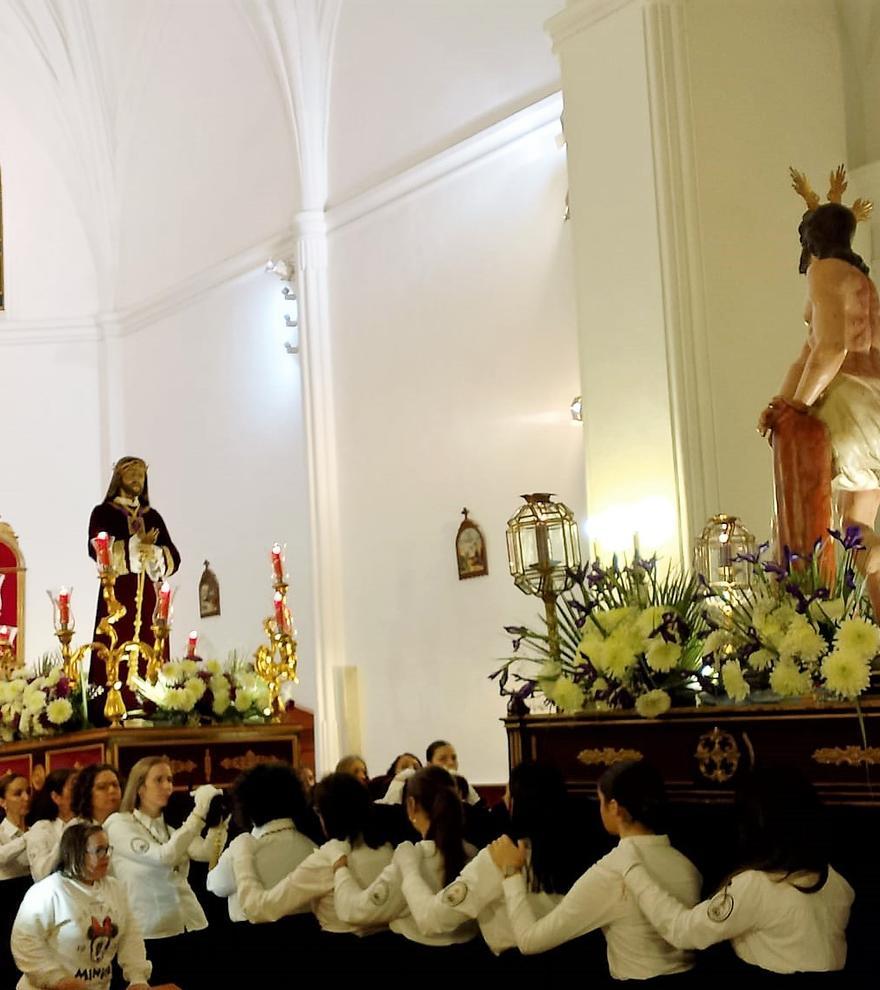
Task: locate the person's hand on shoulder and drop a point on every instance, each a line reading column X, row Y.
column 405, row 856
column 509, row 858
column 202, row 797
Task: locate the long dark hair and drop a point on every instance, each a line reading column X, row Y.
column 540, row 814
column 637, row 787
column 346, row 810
column 43, row 808
column 434, row 791
column 782, row 826
column 827, row 232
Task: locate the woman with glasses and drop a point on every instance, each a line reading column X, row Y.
column 72, row 925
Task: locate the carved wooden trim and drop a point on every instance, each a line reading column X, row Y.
column 852, row 756
column 717, row 755
column 608, row 756
column 182, row 766
column 246, row 762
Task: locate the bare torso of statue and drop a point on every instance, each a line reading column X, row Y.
column 825, row 421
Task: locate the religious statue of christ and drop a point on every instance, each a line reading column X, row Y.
column 142, row 553
column 825, row 422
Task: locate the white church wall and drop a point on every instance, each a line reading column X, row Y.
column 213, row 403
column 455, row 360
column 767, row 93
column 449, row 68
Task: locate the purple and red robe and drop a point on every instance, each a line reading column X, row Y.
column 122, row 522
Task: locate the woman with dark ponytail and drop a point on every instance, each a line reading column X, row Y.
column 631, row 804
column 434, row 809
column 539, row 816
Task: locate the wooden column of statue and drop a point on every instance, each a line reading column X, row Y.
column 825, row 423
column 142, row 554
column 12, row 571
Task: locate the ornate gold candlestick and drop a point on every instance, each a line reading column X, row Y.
column 276, row 661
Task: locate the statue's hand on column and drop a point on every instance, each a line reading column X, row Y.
column 777, row 407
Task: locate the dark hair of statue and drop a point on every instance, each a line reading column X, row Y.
column 115, row 485
column 269, row 791
column 782, row 828
column 81, row 800
column 435, row 792
column 43, row 808
column 347, row 810
column 638, row 788
column 540, row 813
column 432, row 749
column 393, row 771
column 72, row 849
column 827, row 232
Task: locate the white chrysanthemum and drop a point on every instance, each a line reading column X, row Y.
column 831, row 611
column 248, row 680
column 549, row 670
column 611, row 619
column 718, row 641
column 180, row 700
column 18, row 685
column 859, row 637
column 567, row 695
column 735, row 685
column 195, row 686
column 846, row 673
column 770, row 631
column 219, row 684
column 592, row 638
column 651, row 618
column 244, row 699
column 33, row 699
column 615, row 656
column 220, row 703
column 599, row 685
column 189, row 667
column 59, row 711
column 802, row 642
column 6, row 692
column 53, row 677
column 761, row 659
column 213, row 667
column 785, row 614
column 663, row 656
column 172, row 672
column 788, row 680
column 653, row 704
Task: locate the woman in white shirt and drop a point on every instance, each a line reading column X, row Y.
column 538, row 804
column 152, row 861
column 631, row 805
column 50, row 814
column 73, row 924
column 435, row 811
column 351, row 825
column 784, row 909
column 14, row 870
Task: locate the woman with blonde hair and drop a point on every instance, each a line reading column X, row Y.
column 152, row 861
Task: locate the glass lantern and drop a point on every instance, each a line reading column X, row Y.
column 718, row 553
column 62, row 611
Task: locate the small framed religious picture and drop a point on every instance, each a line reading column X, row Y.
column 470, row 549
column 209, row 593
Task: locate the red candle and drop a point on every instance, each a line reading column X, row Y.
column 277, row 562
column 164, row 602
column 191, row 644
column 64, row 607
column 280, row 613
column 102, row 549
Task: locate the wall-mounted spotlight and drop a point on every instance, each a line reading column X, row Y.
column 288, row 294
column 576, row 408
column 291, row 348
column 289, row 321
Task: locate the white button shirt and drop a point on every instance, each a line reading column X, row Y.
column 311, row 883
column 13, row 851
column 68, row 929
column 152, row 861
column 383, row 902
column 599, row 899
column 43, row 842
column 279, row 849
column 768, row 921
column 476, row 893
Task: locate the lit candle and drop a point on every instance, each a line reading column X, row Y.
column 277, row 562
column 280, row 613
column 102, row 549
column 191, row 644
column 164, row 602
column 4, row 635
column 64, row 607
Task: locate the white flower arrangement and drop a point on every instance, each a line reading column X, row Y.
column 199, row 692
column 39, row 704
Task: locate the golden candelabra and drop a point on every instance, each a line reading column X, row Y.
column 276, row 661
column 130, row 650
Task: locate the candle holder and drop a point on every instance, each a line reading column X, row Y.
column 276, row 661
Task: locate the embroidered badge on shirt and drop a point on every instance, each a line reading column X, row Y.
column 379, row 894
column 139, row 845
column 455, row 893
column 720, row 907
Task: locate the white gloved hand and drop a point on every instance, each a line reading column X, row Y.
column 203, row 795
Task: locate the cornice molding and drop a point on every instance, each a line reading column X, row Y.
column 545, row 113
column 48, row 330
column 578, row 16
